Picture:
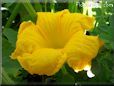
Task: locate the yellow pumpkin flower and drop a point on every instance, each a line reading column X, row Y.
column 56, row 38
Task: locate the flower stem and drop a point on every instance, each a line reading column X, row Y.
column 64, row 70
column 45, row 5
column 52, row 6
column 72, row 5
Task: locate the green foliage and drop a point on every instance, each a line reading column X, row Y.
column 63, row 77
column 75, row 6
column 7, row 1
column 10, row 66
column 30, row 10
column 12, row 17
column 11, row 36
column 102, row 65
column 5, row 78
column 7, row 61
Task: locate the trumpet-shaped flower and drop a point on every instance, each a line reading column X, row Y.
column 56, row 38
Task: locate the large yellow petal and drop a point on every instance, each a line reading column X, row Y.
column 81, row 49
column 50, row 22
column 29, row 39
column 60, row 26
column 45, row 61
column 73, row 22
column 50, row 26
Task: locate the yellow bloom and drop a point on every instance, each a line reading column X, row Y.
column 55, row 39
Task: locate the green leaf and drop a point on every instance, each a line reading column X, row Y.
column 11, row 35
column 31, row 11
column 24, row 14
column 99, row 15
column 63, row 77
column 5, row 78
column 10, row 6
column 102, row 67
column 80, row 77
column 10, row 66
column 37, row 6
column 13, row 15
column 106, row 36
column 105, row 33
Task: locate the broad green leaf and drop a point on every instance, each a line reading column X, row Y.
column 80, row 77
column 63, row 77
column 102, row 67
column 11, row 35
column 106, row 34
column 5, row 78
column 10, row 66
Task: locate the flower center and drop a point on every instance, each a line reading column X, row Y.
column 58, row 41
